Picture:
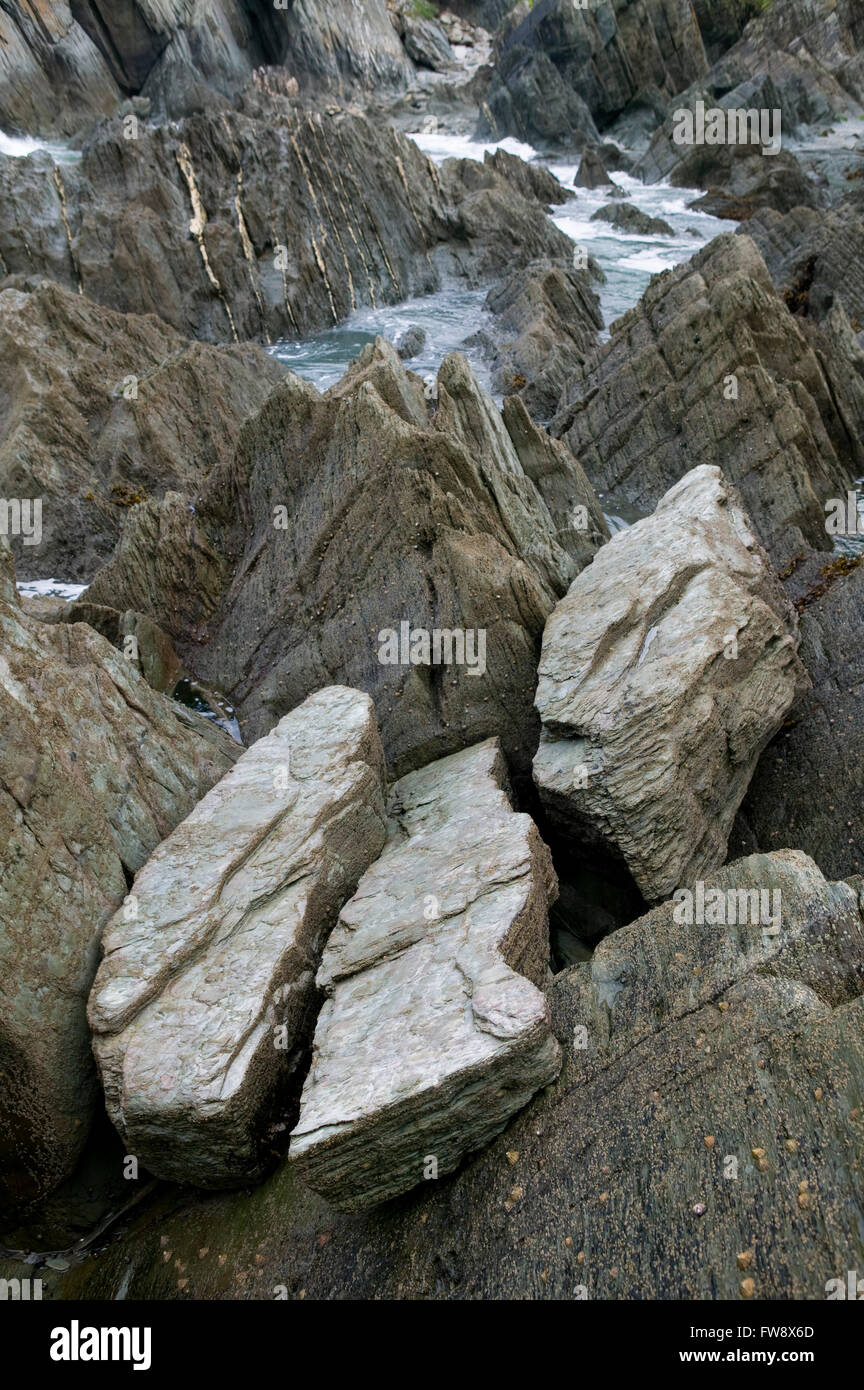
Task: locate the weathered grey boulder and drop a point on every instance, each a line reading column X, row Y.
column 435, row 1029
column 710, row 1101
column 710, row 367
column 100, row 410
column 592, row 171
column 203, row 1002
column 95, row 770
column 345, row 516
column 664, row 673
column 426, row 43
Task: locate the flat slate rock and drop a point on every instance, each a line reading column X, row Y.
column 435, row 1031
column 201, row 1006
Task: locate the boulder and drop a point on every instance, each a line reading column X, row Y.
column 709, row 1101
column 592, row 171
column 547, row 319
column 710, row 367
column 664, row 673
column 411, row 343
column 426, row 43
column 346, row 524
column 95, row 769
column 204, row 1001
column 531, row 179
column 433, row 977
column 100, row 410
column 631, row 219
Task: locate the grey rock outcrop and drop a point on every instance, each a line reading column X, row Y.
column 630, row 219
column 232, row 228
column 592, row 171
column 664, row 673
column 815, row 258
column 53, row 79
column 710, row 367
column 100, row 410
column 204, row 999
column 565, row 62
column 747, row 1047
column 343, row 517
column 547, row 318
column 434, row 977
column 95, row 770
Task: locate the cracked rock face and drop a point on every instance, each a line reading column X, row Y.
column 665, row 671
column 95, row 769
column 201, row 1005
column 435, row 1030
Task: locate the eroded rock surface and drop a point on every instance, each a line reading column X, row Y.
column 711, row 367
column 692, row 1054
column 232, row 228
column 435, row 1029
column 100, row 410
column 345, row 516
column 664, row 673
column 202, row 1004
column 95, row 770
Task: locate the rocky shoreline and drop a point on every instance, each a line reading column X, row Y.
column 419, row 881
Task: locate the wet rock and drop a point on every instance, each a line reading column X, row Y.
column 710, row 367
column 741, row 182
column 95, row 769
column 547, row 319
column 201, row 1006
column 343, row 517
column 592, row 171
column 632, row 219
column 532, row 180
column 101, row 410
column 433, row 977
column 664, row 673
